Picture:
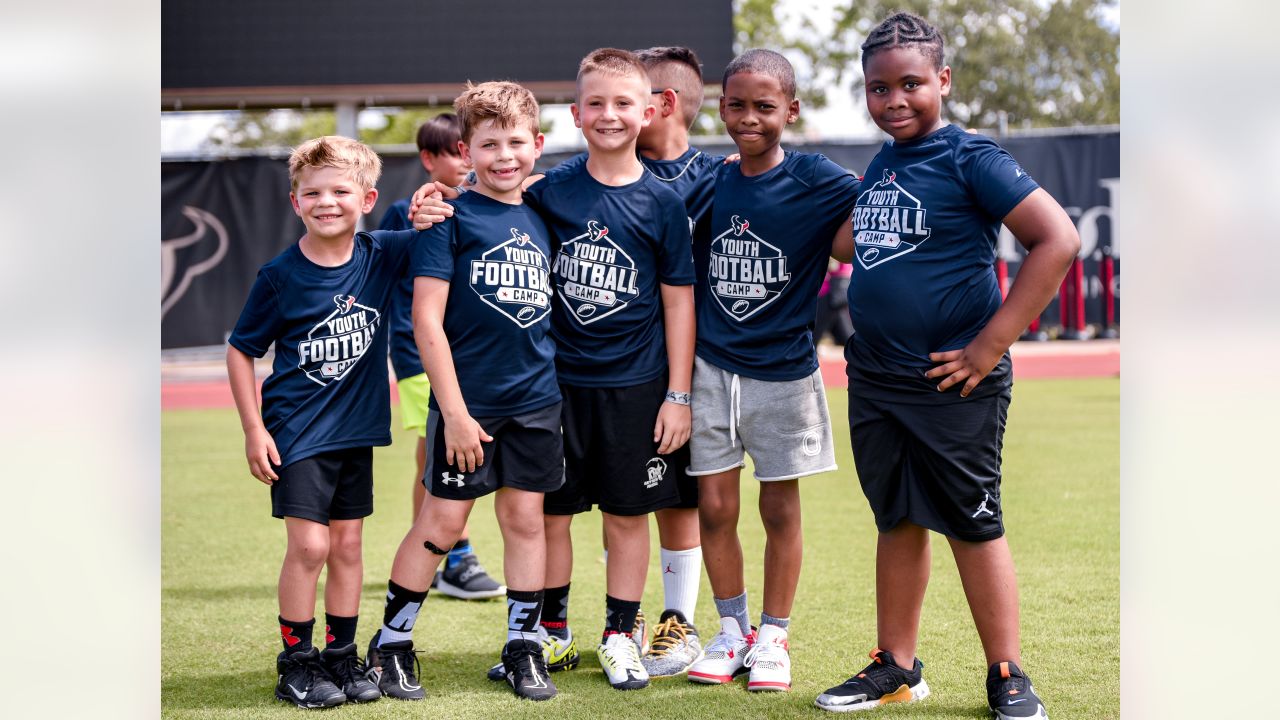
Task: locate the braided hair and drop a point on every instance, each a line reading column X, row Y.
column 904, row 29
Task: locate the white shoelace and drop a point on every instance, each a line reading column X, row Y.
column 770, row 651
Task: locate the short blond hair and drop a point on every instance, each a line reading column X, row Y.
column 352, row 156
column 506, row 103
column 611, row 61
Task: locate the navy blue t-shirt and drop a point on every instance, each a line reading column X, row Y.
column 763, row 258
column 404, row 352
column 925, row 231
column 616, row 245
column 692, row 176
column 328, row 387
column 497, row 259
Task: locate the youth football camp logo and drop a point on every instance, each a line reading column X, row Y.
column 338, row 342
column 512, row 279
column 888, row 222
column 746, row 273
column 595, row 278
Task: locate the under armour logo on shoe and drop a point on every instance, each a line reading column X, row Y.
column 982, row 508
column 448, row 479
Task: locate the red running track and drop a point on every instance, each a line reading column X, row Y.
column 1061, row 359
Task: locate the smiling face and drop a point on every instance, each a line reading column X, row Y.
column 755, row 109
column 611, row 110
column 905, row 91
column 330, row 202
column 502, row 157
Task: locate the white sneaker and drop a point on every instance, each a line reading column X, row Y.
column 620, row 660
column 723, row 658
column 770, row 660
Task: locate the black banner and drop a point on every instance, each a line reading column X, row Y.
column 223, row 219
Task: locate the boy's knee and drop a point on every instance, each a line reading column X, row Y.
column 346, row 550
column 310, row 554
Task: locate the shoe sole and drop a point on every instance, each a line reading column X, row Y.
column 709, row 679
column 1040, row 714
column 769, row 686
column 444, row 587
column 307, row 705
column 903, row 694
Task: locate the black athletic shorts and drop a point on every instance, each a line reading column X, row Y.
column 610, row 458
column 936, row 465
column 526, row 453
column 333, row 485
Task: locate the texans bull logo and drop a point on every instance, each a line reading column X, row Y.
column 184, row 258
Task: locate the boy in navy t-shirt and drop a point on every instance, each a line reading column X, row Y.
column 482, row 311
column 757, row 388
column 322, row 302
column 463, row 576
column 929, row 372
column 624, row 327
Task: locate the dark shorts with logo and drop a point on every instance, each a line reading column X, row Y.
column 936, row 465
column 610, row 458
column 526, row 453
column 333, row 485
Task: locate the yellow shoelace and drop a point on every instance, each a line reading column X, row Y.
column 666, row 636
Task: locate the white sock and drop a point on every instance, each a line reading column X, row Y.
column 681, row 575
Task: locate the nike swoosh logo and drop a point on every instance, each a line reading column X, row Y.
column 299, row 695
column 1015, row 702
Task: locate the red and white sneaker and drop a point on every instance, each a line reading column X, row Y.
column 724, row 657
column 770, row 661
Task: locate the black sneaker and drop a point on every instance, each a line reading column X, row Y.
column 304, row 682
column 467, row 580
column 526, row 670
column 348, row 672
column 879, row 683
column 394, row 667
column 1010, row 695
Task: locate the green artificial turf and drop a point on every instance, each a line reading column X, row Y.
column 1061, row 495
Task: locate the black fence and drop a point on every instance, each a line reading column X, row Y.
column 222, row 219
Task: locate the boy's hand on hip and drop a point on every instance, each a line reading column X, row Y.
column 967, row 365
column 672, row 429
column 260, row 449
column 463, row 443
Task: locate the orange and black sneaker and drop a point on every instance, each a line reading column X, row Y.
column 880, row 683
column 1010, row 695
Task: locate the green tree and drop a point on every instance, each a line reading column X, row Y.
column 1041, row 63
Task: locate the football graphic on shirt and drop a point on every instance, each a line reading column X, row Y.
column 595, row 277
column 513, row 278
column 337, row 342
column 747, row 273
column 888, row 222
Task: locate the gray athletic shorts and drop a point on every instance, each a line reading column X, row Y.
column 784, row 425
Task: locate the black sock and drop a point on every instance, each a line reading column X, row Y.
column 619, row 615
column 555, row 611
column 338, row 630
column 296, row 635
column 524, row 610
column 400, row 613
